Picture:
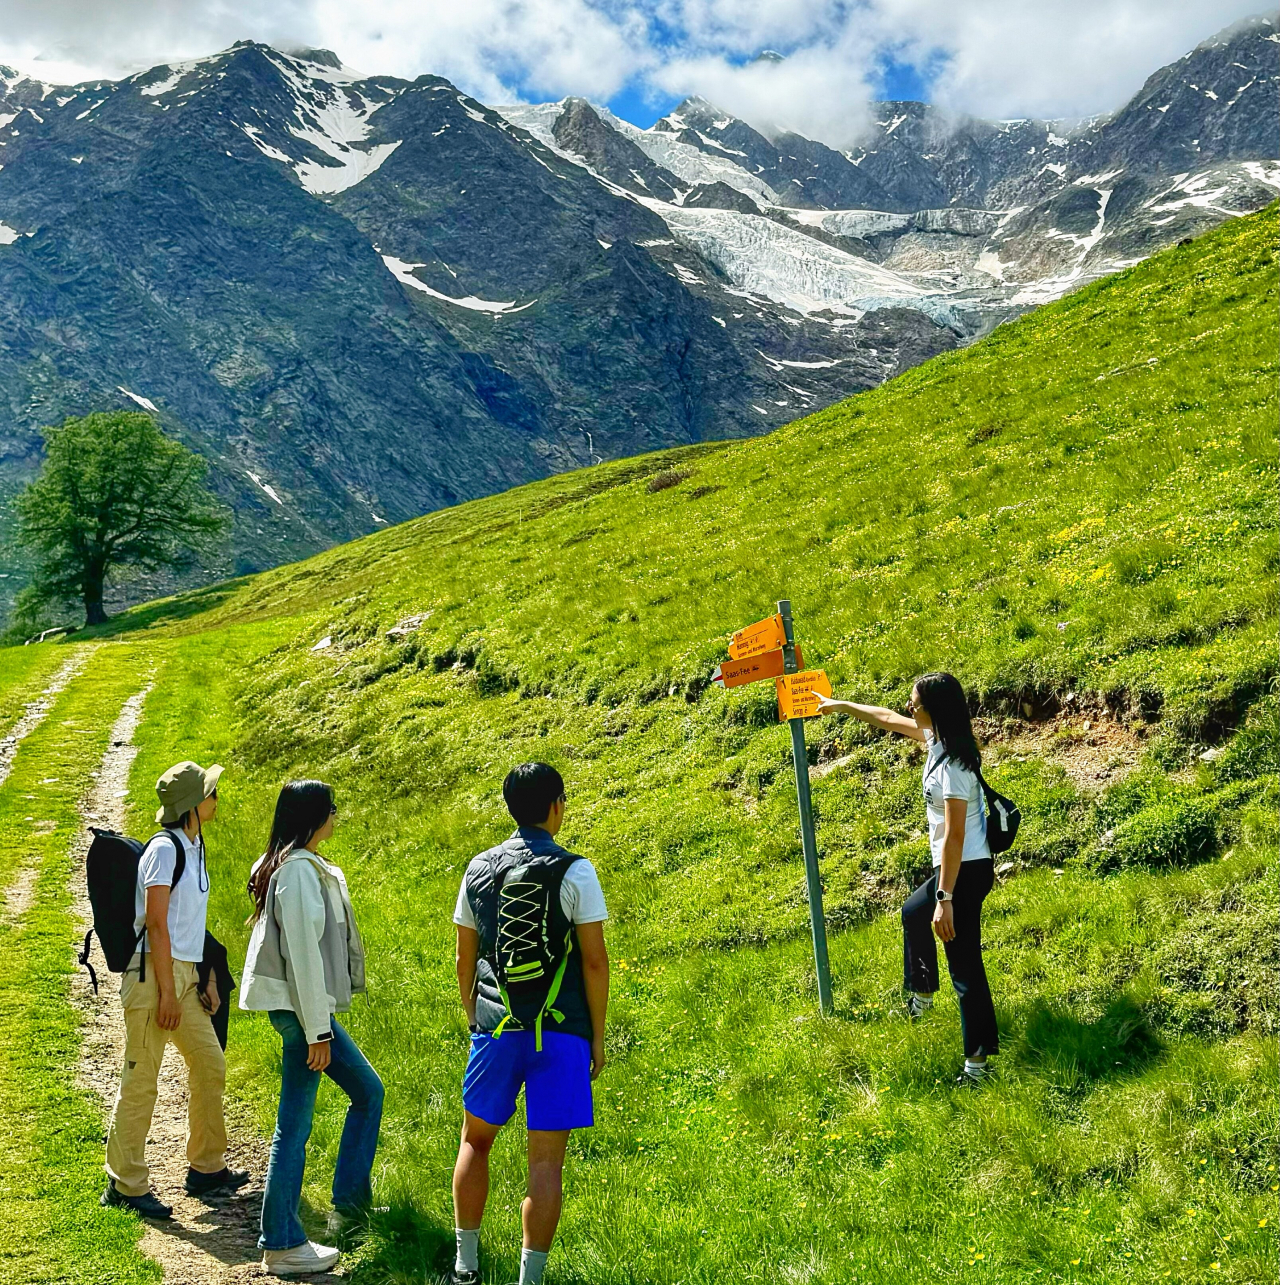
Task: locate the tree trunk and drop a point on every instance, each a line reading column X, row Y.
column 94, row 614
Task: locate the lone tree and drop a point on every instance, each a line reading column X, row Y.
column 114, row 492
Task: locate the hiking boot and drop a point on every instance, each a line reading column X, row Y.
column 302, row 1260
column 146, row 1206
column 463, row 1278
column 205, row 1184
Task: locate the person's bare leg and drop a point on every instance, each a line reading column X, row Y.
column 471, row 1173
column 540, row 1212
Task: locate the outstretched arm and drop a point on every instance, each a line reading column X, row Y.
column 887, row 719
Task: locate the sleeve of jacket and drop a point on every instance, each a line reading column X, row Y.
column 300, row 914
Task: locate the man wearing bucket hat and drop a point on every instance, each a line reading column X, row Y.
column 163, row 1001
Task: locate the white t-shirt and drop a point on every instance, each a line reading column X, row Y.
column 581, row 897
column 944, row 779
column 188, row 902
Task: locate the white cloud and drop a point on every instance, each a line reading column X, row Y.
column 1049, row 58
column 997, row 57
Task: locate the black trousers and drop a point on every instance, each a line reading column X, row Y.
column 964, row 952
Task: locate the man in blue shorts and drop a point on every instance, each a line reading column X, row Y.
column 534, row 978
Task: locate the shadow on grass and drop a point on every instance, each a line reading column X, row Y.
column 406, row 1247
column 164, row 611
column 1064, row 1049
column 402, row 1246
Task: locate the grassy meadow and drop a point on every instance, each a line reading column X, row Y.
column 1078, row 517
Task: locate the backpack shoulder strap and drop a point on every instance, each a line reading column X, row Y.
column 180, row 861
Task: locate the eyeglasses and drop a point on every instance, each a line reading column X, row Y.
column 333, row 809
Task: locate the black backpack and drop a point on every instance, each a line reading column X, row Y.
column 529, row 959
column 1005, row 814
column 111, row 872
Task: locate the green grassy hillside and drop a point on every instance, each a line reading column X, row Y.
column 1078, row 517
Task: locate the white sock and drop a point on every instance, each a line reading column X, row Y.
column 975, row 1069
column 468, row 1259
column 533, row 1263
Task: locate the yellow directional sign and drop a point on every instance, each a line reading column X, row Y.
column 798, row 693
column 734, row 673
column 754, row 640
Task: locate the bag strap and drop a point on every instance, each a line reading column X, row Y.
column 179, row 869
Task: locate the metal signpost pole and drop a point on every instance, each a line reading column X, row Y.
column 809, row 842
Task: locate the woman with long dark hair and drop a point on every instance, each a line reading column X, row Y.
column 948, row 904
column 305, row 962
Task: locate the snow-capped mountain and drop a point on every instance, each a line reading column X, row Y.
column 969, row 221
column 362, row 298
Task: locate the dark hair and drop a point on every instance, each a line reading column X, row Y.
column 529, row 791
column 944, row 701
column 302, row 808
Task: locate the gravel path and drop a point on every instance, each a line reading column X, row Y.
column 210, row 1242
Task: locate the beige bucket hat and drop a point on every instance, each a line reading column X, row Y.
column 183, row 787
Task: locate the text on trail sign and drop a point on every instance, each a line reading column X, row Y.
column 734, row 673
column 798, row 693
column 764, row 635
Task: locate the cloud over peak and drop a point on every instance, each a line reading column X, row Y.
column 810, row 66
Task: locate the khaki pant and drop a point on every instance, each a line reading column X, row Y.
column 145, row 1042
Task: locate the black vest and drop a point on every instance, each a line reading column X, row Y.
column 529, row 846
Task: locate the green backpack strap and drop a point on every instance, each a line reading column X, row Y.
column 553, row 992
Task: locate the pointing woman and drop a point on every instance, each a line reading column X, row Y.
column 948, row 904
column 305, row 962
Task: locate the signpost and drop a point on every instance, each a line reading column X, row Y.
column 768, row 649
column 734, row 673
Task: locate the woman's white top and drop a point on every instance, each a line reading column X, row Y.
column 946, row 779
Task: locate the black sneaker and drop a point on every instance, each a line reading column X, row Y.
column 463, row 1278
column 205, row 1184
column 146, row 1206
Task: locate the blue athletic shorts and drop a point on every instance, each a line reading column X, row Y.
column 557, row 1081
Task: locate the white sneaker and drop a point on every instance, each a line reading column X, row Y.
column 301, row 1261
column 918, row 1005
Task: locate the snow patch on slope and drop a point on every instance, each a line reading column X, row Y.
column 1054, row 287
column 403, row 272
column 145, row 402
column 333, row 118
column 270, row 490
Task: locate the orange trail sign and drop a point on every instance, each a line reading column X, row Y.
column 734, row 673
column 754, row 640
column 798, row 693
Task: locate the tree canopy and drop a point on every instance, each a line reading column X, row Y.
column 114, row 493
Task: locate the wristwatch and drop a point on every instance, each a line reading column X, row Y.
column 944, row 896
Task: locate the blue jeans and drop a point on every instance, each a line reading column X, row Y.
column 351, row 1072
